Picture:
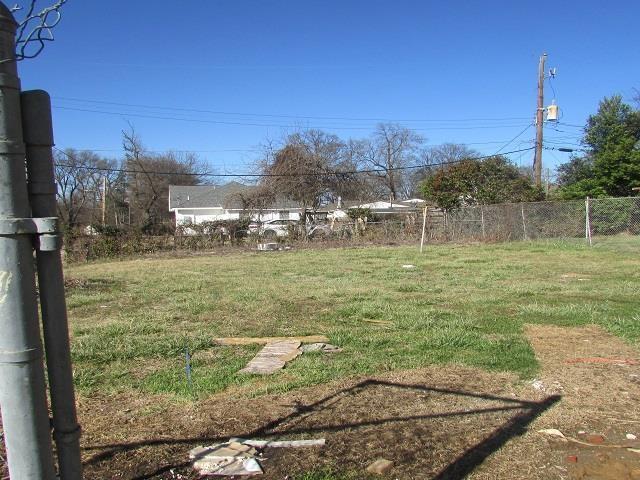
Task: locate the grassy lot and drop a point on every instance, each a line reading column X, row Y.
column 132, row 320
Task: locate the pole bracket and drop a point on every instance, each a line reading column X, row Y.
column 20, row 356
column 28, row 226
column 46, row 229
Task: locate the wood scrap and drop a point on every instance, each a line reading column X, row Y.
column 615, row 361
column 553, row 432
column 266, row 340
column 319, row 442
column 377, row 322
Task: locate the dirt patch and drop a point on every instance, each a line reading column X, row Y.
column 438, row 422
column 598, row 398
column 446, row 422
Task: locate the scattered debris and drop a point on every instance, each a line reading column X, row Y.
column 273, row 357
column 538, row 385
column 593, row 440
column 408, row 266
column 319, row 442
column 266, row 340
column 631, row 436
column 231, row 458
column 238, row 456
column 380, row 466
column 554, row 432
column 572, row 458
column 320, row 347
column 268, row 247
column 615, row 361
column 377, row 322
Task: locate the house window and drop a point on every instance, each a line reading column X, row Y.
column 284, row 214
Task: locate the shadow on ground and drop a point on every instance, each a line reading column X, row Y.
column 428, row 432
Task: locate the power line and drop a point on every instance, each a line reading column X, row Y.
column 271, row 115
column 514, row 138
column 261, row 175
column 249, row 150
column 251, row 124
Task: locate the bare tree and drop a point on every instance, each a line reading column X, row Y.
column 149, row 176
column 390, row 150
column 79, row 177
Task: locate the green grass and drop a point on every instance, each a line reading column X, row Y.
column 462, row 304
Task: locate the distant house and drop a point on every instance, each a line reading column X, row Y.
column 208, row 203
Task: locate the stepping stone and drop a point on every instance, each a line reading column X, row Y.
column 273, row 357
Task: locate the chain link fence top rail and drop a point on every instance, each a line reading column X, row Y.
column 529, row 221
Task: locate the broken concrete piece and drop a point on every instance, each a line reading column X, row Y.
column 265, row 340
column 232, row 458
column 320, row 347
column 538, row 385
column 408, row 266
column 380, row 466
column 273, row 357
column 227, row 466
column 631, row 436
column 237, row 456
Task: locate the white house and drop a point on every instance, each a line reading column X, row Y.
column 207, row 203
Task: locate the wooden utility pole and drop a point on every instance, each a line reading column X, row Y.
column 537, row 159
column 104, row 200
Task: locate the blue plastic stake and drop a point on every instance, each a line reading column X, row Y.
column 187, row 368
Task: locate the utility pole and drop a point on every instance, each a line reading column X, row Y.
column 104, row 200
column 537, row 159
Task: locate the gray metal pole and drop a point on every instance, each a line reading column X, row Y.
column 38, row 136
column 23, row 401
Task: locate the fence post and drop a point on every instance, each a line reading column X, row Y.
column 424, row 226
column 524, row 225
column 482, row 220
column 23, row 401
column 587, row 221
column 38, row 135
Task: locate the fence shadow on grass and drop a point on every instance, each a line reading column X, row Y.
column 459, row 468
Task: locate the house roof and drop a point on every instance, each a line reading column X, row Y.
column 381, row 205
column 227, row 196
column 204, row 196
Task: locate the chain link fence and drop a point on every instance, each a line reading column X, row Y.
column 528, row 221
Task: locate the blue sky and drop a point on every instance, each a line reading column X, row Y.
column 271, row 66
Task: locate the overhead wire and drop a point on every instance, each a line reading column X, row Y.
column 514, row 138
column 253, row 124
column 293, row 116
column 261, row 175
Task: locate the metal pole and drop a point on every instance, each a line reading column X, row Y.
column 482, row 220
column 23, row 401
column 38, row 136
column 524, row 225
column 587, row 222
column 104, row 195
column 424, row 225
